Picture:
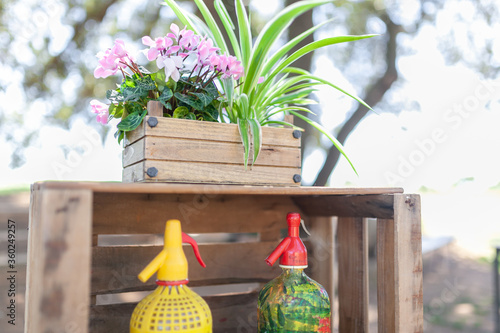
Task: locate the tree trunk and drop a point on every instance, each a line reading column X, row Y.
column 374, row 95
column 301, row 24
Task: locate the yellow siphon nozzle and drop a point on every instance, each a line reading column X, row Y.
column 171, row 263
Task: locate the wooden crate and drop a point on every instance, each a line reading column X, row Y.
column 70, row 271
column 186, row 151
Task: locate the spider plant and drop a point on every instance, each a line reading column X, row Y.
column 270, row 84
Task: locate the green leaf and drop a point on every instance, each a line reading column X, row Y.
column 281, row 52
column 210, row 113
column 243, row 128
column 245, row 33
column 323, row 81
column 190, row 116
column 127, row 82
column 166, row 94
column 111, row 109
column 114, row 96
column 269, row 34
column 212, row 25
column 144, row 70
column 167, row 105
column 324, row 131
column 211, row 89
column 312, row 47
column 119, row 135
column 243, row 106
column 133, row 94
column 256, row 132
column 146, row 83
column 181, row 14
column 191, row 101
column 229, row 26
column 180, row 112
column 204, row 98
column 159, row 78
column 132, row 121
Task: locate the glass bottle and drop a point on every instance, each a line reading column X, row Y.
column 292, row 302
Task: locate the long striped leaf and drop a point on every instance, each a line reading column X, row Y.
column 312, row 47
column 245, row 33
column 282, row 51
column 256, row 132
column 269, row 34
column 212, row 25
column 229, row 26
column 243, row 128
column 356, row 98
column 181, row 14
column 324, row 131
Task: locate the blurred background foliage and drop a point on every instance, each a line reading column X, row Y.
column 48, row 55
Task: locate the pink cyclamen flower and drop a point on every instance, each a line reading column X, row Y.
column 205, row 52
column 157, row 47
column 102, row 111
column 230, row 67
column 188, row 40
column 172, row 65
column 175, row 31
column 108, row 64
column 111, row 60
column 119, row 49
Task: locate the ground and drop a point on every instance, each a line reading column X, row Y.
column 458, row 287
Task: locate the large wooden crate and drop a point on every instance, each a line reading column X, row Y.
column 72, row 273
column 187, row 151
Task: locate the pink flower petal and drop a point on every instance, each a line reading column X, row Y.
column 148, row 41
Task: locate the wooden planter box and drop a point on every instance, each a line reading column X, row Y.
column 187, row 151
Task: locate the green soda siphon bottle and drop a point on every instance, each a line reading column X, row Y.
column 292, row 302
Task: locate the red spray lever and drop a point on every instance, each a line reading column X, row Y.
column 278, row 251
column 291, row 249
column 188, row 239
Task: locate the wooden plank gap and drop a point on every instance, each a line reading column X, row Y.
column 352, row 237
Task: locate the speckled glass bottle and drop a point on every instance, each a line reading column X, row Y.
column 292, row 302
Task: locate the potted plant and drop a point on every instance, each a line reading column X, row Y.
column 197, row 79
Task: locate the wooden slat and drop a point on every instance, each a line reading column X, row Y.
column 58, row 281
column 178, row 149
column 230, row 313
column 369, row 205
column 321, row 254
column 214, row 173
column 209, row 131
column 387, row 290
column 155, row 109
column 134, row 153
column 115, row 269
column 399, row 268
column 147, row 214
column 352, row 235
column 111, row 318
column 212, row 189
column 234, row 313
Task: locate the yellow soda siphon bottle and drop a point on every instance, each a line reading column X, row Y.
column 292, row 302
column 172, row 306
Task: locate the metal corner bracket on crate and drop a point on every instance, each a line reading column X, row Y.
column 187, row 151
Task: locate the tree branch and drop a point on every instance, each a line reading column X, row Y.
column 374, row 95
column 302, row 23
